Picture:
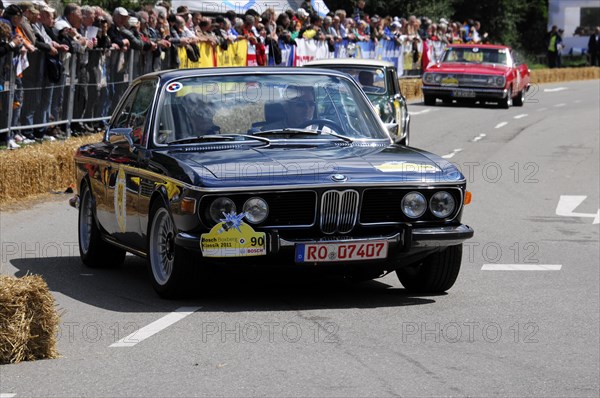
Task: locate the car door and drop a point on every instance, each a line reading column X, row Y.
column 127, row 165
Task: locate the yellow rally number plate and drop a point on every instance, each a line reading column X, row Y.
column 449, row 81
column 226, row 240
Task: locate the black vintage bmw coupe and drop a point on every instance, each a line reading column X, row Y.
column 265, row 167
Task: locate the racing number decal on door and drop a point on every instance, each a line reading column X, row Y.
column 121, row 201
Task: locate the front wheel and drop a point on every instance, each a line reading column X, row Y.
column 169, row 266
column 93, row 250
column 436, row 273
column 519, row 100
column 508, row 101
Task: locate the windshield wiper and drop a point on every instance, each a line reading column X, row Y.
column 295, row 131
column 217, row 137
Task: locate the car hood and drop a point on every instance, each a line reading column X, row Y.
column 458, row 67
column 320, row 165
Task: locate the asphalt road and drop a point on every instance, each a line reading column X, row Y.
column 522, row 319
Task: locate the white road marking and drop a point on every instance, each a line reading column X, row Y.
column 479, row 137
column 451, row 155
column 499, row 125
column 7, row 395
column 521, row 267
column 568, row 203
column 559, row 105
column 419, row 112
column 553, row 90
column 521, row 116
column 155, row 327
column 542, row 109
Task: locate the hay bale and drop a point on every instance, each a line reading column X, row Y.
column 39, row 168
column 28, row 320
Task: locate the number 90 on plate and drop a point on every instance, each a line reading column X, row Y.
column 341, row 252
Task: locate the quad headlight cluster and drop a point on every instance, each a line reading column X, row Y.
column 441, row 204
column 497, row 81
column 255, row 208
column 432, row 78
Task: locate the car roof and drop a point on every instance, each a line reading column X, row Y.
column 491, row 46
column 350, row 62
column 167, row 75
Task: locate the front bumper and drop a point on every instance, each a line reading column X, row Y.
column 415, row 238
column 451, row 92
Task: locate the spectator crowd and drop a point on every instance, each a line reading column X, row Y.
column 109, row 49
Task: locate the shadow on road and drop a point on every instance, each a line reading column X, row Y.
column 128, row 289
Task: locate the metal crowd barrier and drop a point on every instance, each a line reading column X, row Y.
column 104, row 85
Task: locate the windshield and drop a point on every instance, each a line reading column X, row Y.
column 277, row 106
column 477, row 55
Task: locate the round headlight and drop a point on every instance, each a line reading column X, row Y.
column 256, row 210
column 220, row 206
column 442, row 204
column 414, row 204
column 438, row 78
column 428, row 77
column 500, row 81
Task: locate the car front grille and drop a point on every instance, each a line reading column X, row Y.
column 339, row 211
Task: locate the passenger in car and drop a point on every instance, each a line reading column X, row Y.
column 199, row 120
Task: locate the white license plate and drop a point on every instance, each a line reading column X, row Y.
column 340, row 252
column 463, row 93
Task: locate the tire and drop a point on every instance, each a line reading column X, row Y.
column 93, row 250
column 519, row 100
column 429, row 100
column 436, row 273
column 508, row 101
column 169, row 266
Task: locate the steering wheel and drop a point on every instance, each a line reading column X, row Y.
column 321, row 123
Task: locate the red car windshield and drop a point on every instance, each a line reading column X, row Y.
column 477, row 55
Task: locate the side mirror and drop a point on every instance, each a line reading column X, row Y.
column 121, row 137
column 392, row 128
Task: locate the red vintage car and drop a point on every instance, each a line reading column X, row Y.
column 468, row 73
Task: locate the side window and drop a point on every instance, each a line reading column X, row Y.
column 140, row 109
column 135, row 109
column 122, row 120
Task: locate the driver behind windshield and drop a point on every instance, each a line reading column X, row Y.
column 295, row 109
column 299, row 107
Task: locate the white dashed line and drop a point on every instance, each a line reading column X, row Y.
column 451, row 155
column 521, row 267
column 155, row 327
column 499, row 125
column 479, row 137
column 7, row 395
column 521, row 116
column 419, row 112
column 553, row 90
column 568, row 203
column 559, row 105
